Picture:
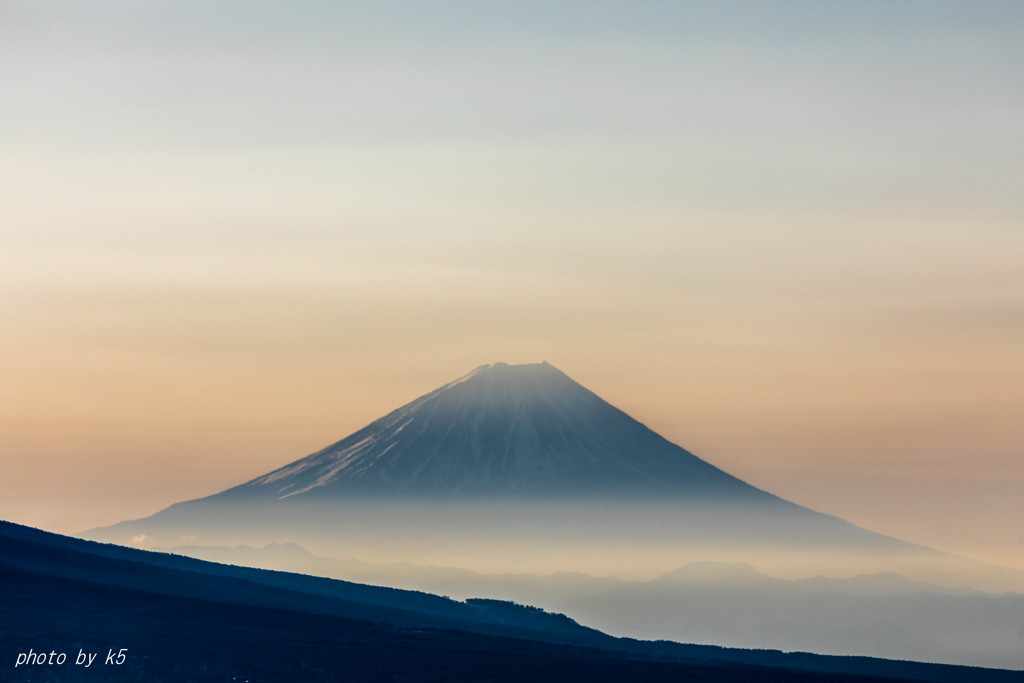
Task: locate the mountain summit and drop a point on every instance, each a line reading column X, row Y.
column 501, row 430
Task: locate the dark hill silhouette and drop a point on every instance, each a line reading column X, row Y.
column 183, row 619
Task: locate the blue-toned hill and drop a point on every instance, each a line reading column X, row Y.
column 178, row 619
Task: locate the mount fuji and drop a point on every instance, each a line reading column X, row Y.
column 518, row 467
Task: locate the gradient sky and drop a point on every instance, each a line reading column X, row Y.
column 788, row 236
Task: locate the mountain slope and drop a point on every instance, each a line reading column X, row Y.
column 502, row 430
column 882, row 615
column 181, row 619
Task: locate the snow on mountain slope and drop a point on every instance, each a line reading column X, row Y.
column 501, row 430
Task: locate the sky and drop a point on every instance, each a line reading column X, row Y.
column 788, row 236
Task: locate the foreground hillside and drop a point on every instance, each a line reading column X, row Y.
column 733, row 605
column 177, row 619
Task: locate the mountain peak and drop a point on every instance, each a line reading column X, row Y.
column 503, row 366
column 508, row 370
column 500, row 377
column 500, row 430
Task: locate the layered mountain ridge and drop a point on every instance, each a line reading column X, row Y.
column 176, row 618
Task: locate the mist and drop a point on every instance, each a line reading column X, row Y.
column 624, row 538
column 689, row 573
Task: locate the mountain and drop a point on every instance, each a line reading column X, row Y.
column 153, row 616
column 520, row 468
column 501, row 431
